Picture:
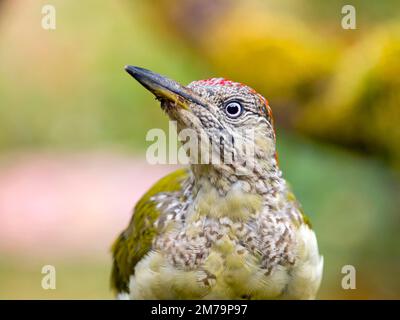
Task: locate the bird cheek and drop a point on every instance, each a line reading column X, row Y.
column 264, row 145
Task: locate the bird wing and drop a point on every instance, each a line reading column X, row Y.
column 292, row 198
column 136, row 240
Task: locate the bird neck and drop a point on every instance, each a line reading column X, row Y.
column 264, row 178
column 219, row 194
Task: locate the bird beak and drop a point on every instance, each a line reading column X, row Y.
column 164, row 88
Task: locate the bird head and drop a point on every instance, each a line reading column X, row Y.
column 227, row 118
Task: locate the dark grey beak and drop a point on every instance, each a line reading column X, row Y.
column 164, row 88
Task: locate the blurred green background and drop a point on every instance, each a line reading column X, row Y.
column 73, row 126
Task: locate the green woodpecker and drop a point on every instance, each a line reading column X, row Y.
column 219, row 229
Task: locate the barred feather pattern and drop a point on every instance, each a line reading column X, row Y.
column 267, row 234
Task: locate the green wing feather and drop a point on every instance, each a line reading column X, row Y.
column 133, row 243
column 292, row 198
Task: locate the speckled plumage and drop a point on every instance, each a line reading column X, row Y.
column 208, row 232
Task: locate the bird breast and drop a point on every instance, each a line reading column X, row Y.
column 232, row 246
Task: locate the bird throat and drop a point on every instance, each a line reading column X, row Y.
column 222, row 193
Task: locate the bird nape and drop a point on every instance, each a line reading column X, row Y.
column 228, row 226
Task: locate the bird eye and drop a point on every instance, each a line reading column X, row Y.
column 233, row 109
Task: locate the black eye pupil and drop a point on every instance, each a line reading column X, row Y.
column 233, row 109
